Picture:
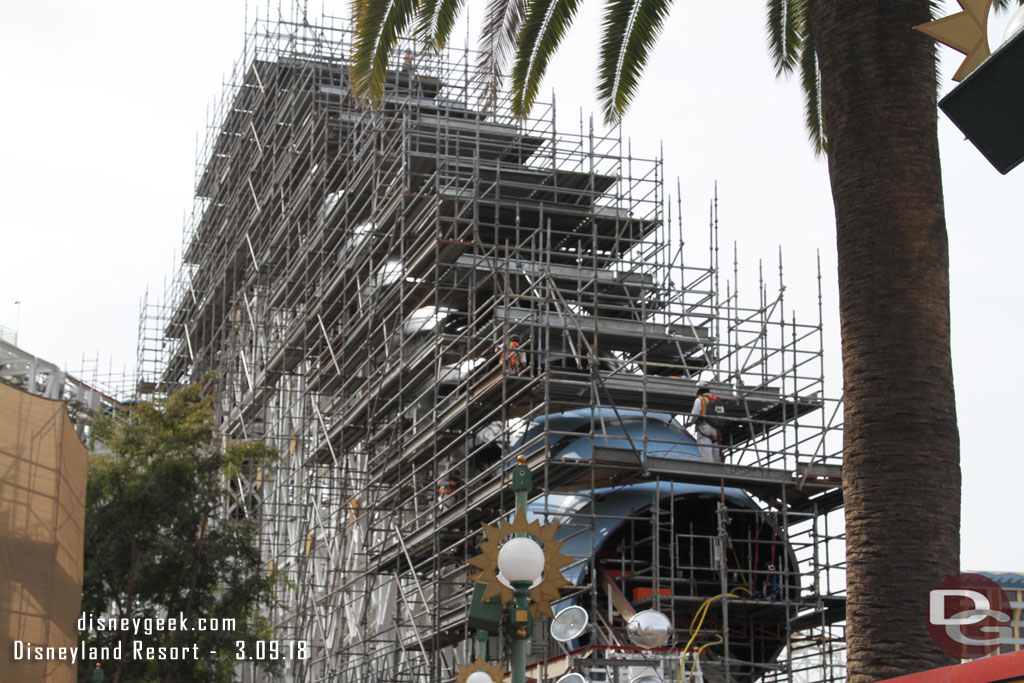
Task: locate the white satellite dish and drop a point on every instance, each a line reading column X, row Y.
column 572, row 678
column 648, row 629
column 569, row 624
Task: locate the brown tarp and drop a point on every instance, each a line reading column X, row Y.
column 43, row 469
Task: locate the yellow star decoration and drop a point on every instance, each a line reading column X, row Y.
column 543, row 593
column 495, row 671
column 965, row 32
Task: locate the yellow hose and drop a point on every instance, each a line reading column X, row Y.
column 700, row 651
column 702, row 612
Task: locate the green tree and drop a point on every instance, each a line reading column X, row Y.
column 869, row 82
column 159, row 541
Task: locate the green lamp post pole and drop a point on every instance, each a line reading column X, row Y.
column 520, row 622
column 520, row 626
column 519, row 563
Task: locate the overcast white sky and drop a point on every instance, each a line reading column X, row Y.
column 104, row 101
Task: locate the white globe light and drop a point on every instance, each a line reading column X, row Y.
column 479, row 677
column 572, row 678
column 649, row 629
column 1016, row 24
column 521, row 559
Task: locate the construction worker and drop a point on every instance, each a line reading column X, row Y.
column 706, row 418
column 447, row 486
column 515, row 357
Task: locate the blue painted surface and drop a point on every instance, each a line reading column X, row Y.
column 591, row 518
column 609, row 507
column 665, row 438
column 1005, row 579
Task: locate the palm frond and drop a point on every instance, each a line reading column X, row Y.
column 503, row 20
column 427, row 21
column 356, row 8
column 810, row 80
column 378, row 27
column 785, row 20
column 630, row 29
column 436, row 20
column 1005, row 4
column 542, row 31
column 366, row 34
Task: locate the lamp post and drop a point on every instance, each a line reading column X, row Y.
column 988, row 105
column 520, row 574
column 518, row 579
column 521, row 562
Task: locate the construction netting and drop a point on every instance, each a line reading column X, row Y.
column 43, row 469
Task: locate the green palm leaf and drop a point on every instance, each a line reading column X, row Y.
column 498, row 37
column 785, row 23
column 427, row 22
column 378, row 27
column 791, row 43
column 543, row 29
column 810, row 80
column 436, row 21
column 630, row 29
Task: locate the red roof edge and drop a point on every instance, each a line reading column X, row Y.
column 1008, row 667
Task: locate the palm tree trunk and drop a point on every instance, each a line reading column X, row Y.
column 901, row 477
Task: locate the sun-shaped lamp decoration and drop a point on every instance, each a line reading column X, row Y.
column 507, row 557
column 480, row 671
column 965, row 32
column 985, row 106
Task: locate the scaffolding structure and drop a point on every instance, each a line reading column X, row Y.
column 405, row 300
column 87, row 393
